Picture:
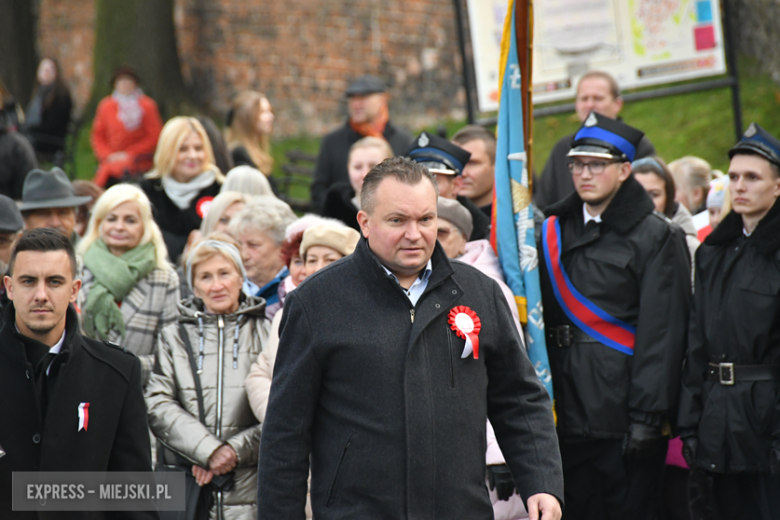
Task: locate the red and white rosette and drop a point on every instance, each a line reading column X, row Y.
column 466, row 325
column 203, row 205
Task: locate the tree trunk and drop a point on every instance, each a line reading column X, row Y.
column 18, row 62
column 140, row 33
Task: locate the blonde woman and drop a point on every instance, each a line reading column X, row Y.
column 249, row 180
column 342, row 200
column 129, row 290
column 250, row 123
column 183, row 182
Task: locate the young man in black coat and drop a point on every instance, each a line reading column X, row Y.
column 368, row 115
column 729, row 419
column 616, row 286
column 70, row 403
column 389, row 362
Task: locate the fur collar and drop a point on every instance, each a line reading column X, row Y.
column 765, row 238
column 630, row 205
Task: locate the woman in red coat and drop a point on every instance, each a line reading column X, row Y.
column 125, row 131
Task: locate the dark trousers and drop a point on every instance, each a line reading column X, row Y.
column 747, row 495
column 600, row 484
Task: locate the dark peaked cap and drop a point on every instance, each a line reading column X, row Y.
column 602, row 136
column 438, row 154
column 10, row 216
column 759, row 141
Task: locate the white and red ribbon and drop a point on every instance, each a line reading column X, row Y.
column 466, row 325
column 83, row 416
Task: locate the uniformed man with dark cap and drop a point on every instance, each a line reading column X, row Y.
column 11, row 225
column 445, row 161
column 730, row 405
column 616, row 286
column 368, row 116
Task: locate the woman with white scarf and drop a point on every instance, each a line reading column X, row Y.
column 125, row 130
column 183, row 182
column 129, row 290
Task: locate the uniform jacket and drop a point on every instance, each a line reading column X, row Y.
column 332, row 160
column 172, row 400
column 176, row 223
column 376, row 391
column 555, row 183
column 635, row 266
column 116, row 437
column 735, row 319
column 148, row 307
column 109, row 135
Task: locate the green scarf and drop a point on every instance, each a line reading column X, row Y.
column 114, row 277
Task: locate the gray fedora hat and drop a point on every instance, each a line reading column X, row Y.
column 49, row 189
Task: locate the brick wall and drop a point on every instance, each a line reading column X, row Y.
column 300, row 53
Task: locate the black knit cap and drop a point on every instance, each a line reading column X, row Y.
column 756, row 140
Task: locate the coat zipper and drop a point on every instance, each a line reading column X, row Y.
column 220, row 362
column 411, row 311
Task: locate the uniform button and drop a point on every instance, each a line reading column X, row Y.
column 454, row 291
column 712, row 466
column 437, row 306
column 27, row 373
column 37, row 438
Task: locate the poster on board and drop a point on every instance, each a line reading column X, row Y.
column 640, row 42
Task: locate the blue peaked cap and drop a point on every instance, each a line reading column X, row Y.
column 602, row 136
column 758, row 141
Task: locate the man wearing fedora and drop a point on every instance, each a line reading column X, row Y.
column 368, row 116
column 11, row 225
column 49, row 201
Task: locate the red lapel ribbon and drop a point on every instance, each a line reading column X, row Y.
column 466, row 325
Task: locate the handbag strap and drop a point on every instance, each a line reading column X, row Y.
column 195, row 377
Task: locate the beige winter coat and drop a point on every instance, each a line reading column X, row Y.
column 172, row 402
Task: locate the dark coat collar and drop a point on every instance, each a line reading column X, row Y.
column 72, row 334
column 765, row 238
column 442, row 268
column 630, row 205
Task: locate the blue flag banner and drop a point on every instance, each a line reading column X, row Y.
column 513, row 219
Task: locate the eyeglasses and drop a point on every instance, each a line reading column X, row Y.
column 595, row 167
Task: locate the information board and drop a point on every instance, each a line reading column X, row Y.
column 640, row 42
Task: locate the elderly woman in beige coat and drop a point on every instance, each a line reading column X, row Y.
column 220, row 332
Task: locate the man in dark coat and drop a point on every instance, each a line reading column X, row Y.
column 380, row 390
column 70, row 403
column 596, row 91
column 17, row 158
column 729, row 419
column 616, row 285
column 368, row 115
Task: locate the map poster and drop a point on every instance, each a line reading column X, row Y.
column 640, row 42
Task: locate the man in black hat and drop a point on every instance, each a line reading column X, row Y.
column 49, row 201
column 616, row 286
column 17, row 156
column 445, row 160
column 729, row 419
column 596, row 91
column 368, row 116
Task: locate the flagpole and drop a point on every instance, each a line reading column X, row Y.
column 524, row 43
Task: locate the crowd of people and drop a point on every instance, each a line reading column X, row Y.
column 368, row 359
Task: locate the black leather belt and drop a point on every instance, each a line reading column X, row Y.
column 728, row 373
column 566, row 335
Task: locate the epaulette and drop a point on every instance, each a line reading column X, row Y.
column 118, row 347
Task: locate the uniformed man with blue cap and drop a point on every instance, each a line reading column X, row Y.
column 616, row 286
column 445, row 160
column 729, row 419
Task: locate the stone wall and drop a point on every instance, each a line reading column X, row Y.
column 300, row 53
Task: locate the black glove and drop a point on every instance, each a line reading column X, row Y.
column 642, row 441
column 690, row 446
column 500, row 479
